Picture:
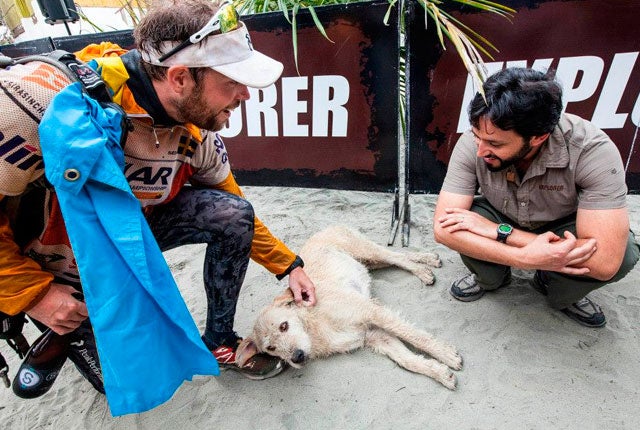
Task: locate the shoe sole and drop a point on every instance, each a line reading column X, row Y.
column 581, row 322
column 276, row 371
column 472, row 298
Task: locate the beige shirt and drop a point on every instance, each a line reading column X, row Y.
column 578, row 167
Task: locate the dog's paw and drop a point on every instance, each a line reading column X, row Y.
column 449, row 380
column 426, row 276
column 428, row 258
column 451, row 358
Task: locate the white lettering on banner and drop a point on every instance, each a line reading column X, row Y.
column 612, row 91
column 590, row 70
column 292, row 107
column 261, row 105
column 329, row 116
column 324, row 87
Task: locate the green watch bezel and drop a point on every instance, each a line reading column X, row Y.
column 504, row 230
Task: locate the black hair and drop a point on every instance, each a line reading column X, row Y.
column 524, row 100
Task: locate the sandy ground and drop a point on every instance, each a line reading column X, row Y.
column 525, row 366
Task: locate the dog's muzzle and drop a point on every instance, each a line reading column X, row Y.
column 298, row 357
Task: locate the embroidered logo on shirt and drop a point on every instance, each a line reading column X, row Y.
column 546, row 187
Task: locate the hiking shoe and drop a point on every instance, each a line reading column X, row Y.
column 586, row 312
column 258, row 367
column 466, row 289
column 540, row 282
column 84, row 354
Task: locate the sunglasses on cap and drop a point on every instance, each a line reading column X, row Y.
column 224, row 20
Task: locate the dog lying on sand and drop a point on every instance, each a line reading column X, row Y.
column 345, row 317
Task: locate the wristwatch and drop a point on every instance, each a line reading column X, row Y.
column 504, row 230
column 296, row 263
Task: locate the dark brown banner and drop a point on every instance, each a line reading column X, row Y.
column 333, row 122
column 593, row 46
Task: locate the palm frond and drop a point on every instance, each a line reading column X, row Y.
column 470, row 45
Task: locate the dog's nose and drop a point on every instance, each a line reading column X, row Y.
column 298, row 356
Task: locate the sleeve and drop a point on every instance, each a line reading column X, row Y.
column 22, row 280
column 461, row 172
column 600, row 175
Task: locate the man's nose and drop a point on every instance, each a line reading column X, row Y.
column 482, row 148
column 243, row 93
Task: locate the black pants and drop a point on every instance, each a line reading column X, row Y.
column 222, row 221
column 563, row 290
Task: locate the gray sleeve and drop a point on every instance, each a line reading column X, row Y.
column 600, row 175
column 461, row 171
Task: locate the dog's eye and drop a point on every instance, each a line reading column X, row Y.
column 284, row 326
column 271, row 348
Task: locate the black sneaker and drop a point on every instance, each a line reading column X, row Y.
column 258, row 367
column 466, row 289
column 586, row 312
column 84, row 354
column 41, row 366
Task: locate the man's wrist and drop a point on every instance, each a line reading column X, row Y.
column 296, row 263
column 503, row 230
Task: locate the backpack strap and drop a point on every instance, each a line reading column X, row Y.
column 78, row 71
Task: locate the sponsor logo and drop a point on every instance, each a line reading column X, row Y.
column 24, row 97
column 48, row 76
column 148, row 175
column 220, row 149
column 22, row 155
column 91, row 362
column 30, row 378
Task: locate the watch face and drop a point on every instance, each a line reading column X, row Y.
column 504, row 228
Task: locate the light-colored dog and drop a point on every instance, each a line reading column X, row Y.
column 345, row 317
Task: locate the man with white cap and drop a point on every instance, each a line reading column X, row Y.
column 192, row 67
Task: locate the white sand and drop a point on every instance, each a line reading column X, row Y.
column 525, row 366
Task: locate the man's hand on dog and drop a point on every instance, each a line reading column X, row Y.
column 303, row 289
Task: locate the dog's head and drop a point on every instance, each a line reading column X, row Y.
column 278, row 331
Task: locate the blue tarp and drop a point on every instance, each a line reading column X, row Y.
column 147, row 340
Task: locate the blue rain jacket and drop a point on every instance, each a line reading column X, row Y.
column 147, row 340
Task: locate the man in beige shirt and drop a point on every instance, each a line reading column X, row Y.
column 552, row 198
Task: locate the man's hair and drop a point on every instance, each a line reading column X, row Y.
column 172, row 20
column 524, row 100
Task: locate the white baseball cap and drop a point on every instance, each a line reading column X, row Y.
column 229, row 52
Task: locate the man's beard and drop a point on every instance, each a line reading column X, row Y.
column 511, row 160
column 193, row 110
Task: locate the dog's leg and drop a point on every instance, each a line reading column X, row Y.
column 376, row 256
column 414, row 262
column 391, row 323
column 383, row 343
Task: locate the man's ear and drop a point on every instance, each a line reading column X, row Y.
column 284, row 299
column 536, row 141
column 179, row 79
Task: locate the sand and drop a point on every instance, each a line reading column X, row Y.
column 526, row 366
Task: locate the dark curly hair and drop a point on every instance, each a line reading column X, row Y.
column 524, row 100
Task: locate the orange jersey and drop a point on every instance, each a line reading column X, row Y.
column 161, row 156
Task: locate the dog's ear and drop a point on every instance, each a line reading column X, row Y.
column 284, row 299
column 245, row 351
